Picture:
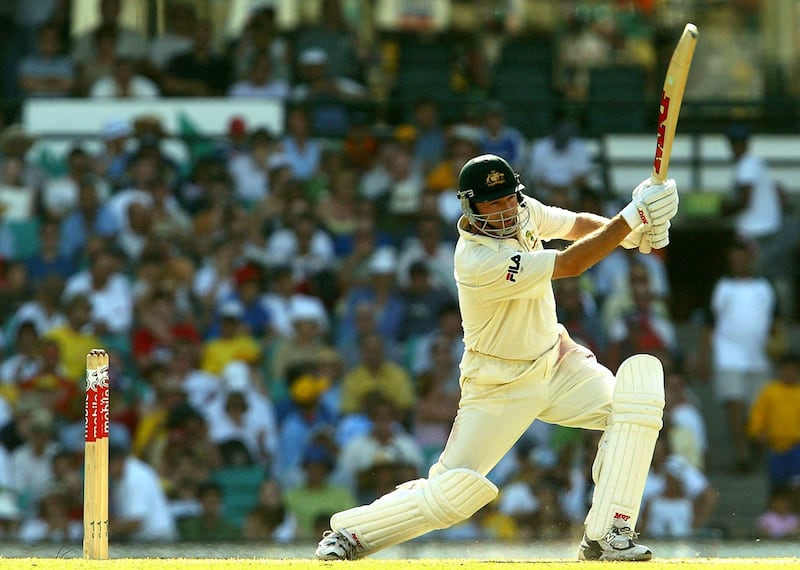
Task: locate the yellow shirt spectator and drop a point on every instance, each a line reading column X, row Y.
column 773, row 417
column 73, row 346
column 376, row 374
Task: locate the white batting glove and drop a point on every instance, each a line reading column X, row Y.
column 651, row 204
column 658, row 236
column 634, row 238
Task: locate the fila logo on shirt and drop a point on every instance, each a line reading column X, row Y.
column 513, row 269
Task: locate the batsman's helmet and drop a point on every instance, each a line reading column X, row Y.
column 485, row 178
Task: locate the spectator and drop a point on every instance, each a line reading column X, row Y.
column 53, row 389
column 17, row 199
column 317, row 82
column 129, row 43
column 158, row 330
column 781, row 519
column 100, row 62
column 577, row 311
column 14, row 288
column 198, row 71
column 52, row 522
column 250, row 167
column 687, row 427
column 302, row 416
column 300, row 149
column 138, row 507
column 733, row 351
column 337, row 209
column 209, row 525
column 306, row 247
column 260, row 82
column 500, row 138
column 376, row 373
column 318, row 494
column 309, row 327
column 73, row 340
column 123, row 82
column 560, row 163
column 26, row 358
column 242, row 413
column 773, row 423
column 641, row 329
column 758, row 206
column 383, row 294
column 43, row 309
column 429, row 142
column 261, row 35
column 269, row 520
column 235, row 342
column 678, row 498
column 248, row 282
column 332, row 34
column 90, row 217
column 111, row 162
column 423, row 303
column 108, row 290
column 428, row 245
column 178, row 37
column 48, row 72
column 60, row 195
column 32, row 461
column 437, row 396
column 50, row 259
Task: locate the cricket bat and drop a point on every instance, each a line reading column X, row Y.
column 671, row 98
column 670, row 107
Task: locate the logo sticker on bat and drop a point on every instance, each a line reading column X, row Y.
column 662, row 130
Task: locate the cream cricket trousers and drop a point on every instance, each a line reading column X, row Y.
column 501, row 398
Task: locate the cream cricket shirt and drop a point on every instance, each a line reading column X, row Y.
column 504, row 286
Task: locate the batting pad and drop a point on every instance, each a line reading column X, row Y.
column 622, row 463
column 415, row 508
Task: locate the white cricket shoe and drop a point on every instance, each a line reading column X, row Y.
column 336, row 545
column 617, row 544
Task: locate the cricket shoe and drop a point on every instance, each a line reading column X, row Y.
column 337, row 545
column 617, row 544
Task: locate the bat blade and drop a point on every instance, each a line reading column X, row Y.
column 671, row 99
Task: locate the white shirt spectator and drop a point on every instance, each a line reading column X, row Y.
column 763, row 213
column 364, row 451
column 283, row 247
column 112, row 305
column 34, row 311
column 32, row 472
column 139, row 87
column 17, row 368
column 138, row 496
column 552, row 167
column 743, row 309
column 284, row 310
column 258, row 429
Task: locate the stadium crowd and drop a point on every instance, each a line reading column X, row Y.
column 280, row 308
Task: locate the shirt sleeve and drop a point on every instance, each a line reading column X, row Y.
column 509, row 274
column 551, row 222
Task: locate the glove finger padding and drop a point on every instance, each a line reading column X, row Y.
column 658, row 237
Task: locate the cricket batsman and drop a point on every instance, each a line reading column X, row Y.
column 520, row 364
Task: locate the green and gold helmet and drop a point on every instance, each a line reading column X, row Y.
column 485, row 178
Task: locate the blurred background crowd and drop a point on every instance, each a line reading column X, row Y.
column 279, row 306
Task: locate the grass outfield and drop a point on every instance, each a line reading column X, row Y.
column 297, row 564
